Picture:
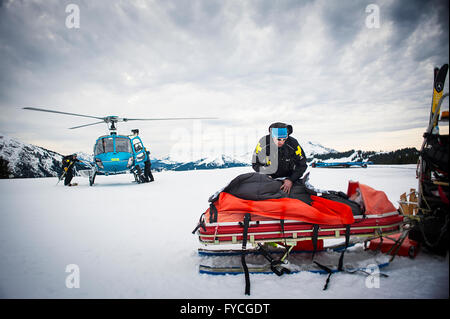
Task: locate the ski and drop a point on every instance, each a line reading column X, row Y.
column 356, row 260
column 233, row 270
column 266, row 269
column 438, row 87
column 60, row 178
column 435, row 73
column 271, row 249
column 422, row 170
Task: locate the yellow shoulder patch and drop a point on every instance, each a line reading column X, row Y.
column 299, row 151
column 258, row 148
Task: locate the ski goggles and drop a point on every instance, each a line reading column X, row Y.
column 280, row 133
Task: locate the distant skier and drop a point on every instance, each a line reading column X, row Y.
column 68, row 164
column 280, row 155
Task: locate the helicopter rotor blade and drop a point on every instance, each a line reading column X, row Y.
column 71, row 128
column 66, row 113
column 171, row 118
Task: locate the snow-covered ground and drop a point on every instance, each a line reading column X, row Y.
column 135, row 241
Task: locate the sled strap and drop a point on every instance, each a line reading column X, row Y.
column 347, row 239
column 315, row 236
column 243, row 252
column 201, row 223
column 212, row 213
column 282, row 230
column 328, row 270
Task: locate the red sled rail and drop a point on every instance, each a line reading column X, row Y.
column 291, row 232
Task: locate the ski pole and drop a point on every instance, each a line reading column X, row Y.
column 61, row 177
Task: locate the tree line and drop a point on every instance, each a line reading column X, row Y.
column 402, row 156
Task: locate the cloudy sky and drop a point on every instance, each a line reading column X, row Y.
column 345, row 74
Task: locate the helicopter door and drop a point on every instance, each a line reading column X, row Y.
column 141, row 155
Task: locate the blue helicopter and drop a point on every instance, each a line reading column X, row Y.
column 115, row 153
column 118, row 154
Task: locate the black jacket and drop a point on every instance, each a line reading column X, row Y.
column 286, row 161
column 69, row 161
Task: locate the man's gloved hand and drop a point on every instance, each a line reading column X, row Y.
column 65, row 169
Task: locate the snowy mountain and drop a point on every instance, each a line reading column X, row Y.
column 350, row 156
column 312, row 149
column 19, row 159
column 402, row 156
column 25, row 160
column 211, row 162
column 85, row 157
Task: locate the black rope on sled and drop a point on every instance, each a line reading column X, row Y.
column 275, row 265
column 212, row 213
column 315, row 236
column 201, row 223
column 341, row 258
column 243, row 253
column 328, row 270
column 443, row 231
column 347, row 239
column 282, row 231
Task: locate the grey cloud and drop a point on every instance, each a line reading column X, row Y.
column 409, row 16
column 226, row 56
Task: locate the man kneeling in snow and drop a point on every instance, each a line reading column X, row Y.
column 68, row 164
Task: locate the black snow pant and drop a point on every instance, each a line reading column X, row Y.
column 147, row 173
column 69, row 176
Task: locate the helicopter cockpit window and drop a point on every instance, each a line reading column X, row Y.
column 123, row 145
column 137, row 145
column 104, row 145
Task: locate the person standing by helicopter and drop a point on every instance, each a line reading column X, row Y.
column 147, row 165
column 148, row 176
column 68, row 164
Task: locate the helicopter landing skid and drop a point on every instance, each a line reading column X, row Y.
column 89, row 173
column 138, row 174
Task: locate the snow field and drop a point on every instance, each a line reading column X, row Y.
column 135, row 241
